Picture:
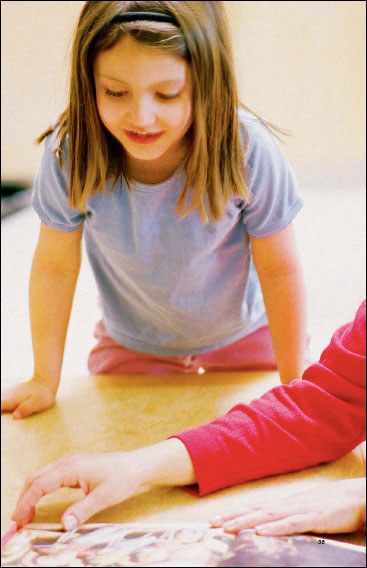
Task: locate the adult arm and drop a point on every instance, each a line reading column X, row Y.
column 316, row 419
column 327, row 507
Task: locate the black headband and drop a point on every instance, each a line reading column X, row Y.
column 151, row 16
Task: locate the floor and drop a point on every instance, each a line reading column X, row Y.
column 331, row 232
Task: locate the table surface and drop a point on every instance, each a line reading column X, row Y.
column 111, row 413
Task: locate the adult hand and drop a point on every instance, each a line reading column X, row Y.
column 329, row 507
column 27, row 398
column 106, row 479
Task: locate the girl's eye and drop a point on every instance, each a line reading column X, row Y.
column 168, row 97
column 163, row 96
column 115, row 94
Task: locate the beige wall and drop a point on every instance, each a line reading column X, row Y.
column 35, row 48
column 300, row 64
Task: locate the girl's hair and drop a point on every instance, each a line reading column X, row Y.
column 214, row 165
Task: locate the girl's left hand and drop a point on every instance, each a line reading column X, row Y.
column 106, row 479
column 329, row 507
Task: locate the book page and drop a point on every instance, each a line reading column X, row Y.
column 170, row 544
column 254, row 550
column 119, row 545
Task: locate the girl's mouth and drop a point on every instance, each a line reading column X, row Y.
column 142, row 138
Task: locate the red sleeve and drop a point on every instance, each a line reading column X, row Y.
column 316, row 419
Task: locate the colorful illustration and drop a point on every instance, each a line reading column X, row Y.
column 170, row 545
column 250, row 549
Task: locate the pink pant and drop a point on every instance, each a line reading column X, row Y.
column 253, row 352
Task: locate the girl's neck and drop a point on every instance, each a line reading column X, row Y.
column 153, row 172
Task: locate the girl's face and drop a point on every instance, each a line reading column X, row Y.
column 144, row 99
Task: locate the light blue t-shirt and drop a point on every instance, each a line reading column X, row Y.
column 171, row 286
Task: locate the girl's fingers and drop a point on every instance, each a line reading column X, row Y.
column 9, row 401
column 304, row 522
column 30, row 406
column 26, row 408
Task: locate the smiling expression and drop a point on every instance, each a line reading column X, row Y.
column 144, row 99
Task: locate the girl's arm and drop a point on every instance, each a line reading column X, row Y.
column 280, row 273
column 54, row 274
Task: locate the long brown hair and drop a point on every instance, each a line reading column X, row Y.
column 214, row 166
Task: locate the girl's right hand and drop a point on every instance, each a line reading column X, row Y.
column 27, row 398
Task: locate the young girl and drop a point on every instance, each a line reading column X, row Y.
column 185, row 201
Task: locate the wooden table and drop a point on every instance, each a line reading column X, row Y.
column 111, row 413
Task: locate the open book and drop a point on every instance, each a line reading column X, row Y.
column 170, row 545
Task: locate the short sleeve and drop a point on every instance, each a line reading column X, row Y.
column 50, row 194
column 275, row 196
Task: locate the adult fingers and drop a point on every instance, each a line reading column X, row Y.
column 219, row 520
column 35, row 475
column 41, row 486
column 27, row 519
column 304, row 522
column 252, row 519
column 67, row 462
column 98, row 499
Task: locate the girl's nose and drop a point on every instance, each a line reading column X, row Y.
column 141, row 113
